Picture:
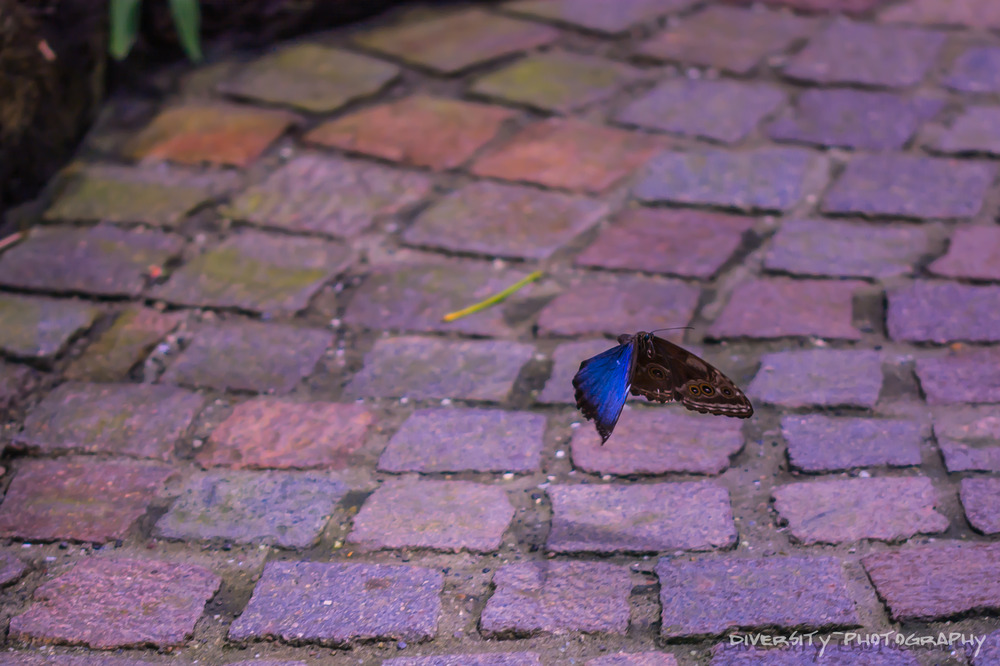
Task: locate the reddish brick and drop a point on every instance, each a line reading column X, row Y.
column 981, row 499
column 452, row 42
column 429, row 368
column 974, row 253
column 659, row 441
column 419, row 130
column 688, row 243
column 567, row 358
column 965, row 436
column 635, row 659
column 844, row 6
column 249, row 356
column 820, row 308
column 839, row 510
column 760, row 179
column 968, row 13
column 849, row 52
column 108, row 603
column 819, row 378
column 937, row 581
column 727, row 38
column 480, row 659
column 967, row 375
column 280, row 434
column 640, row 518
column 908, row 186
column 138, row 420
column 941, row 312
column 975, row 131
column 725, row 111
column 569, row 153
column 328, row 195
column 78, row 499
column 124, row 345
column 443, row 515
column 843, row 249
column 11, row 568
column 558, row 81
column 709, row 597
column 463, row 440
column 611, row 306
column 598, row 15
column 310, row 77
column 214, row 133
column 975, row 70
column 40, row 328
column 557, row 596
column 504, row 220
column 818, row 443
column 333, row 603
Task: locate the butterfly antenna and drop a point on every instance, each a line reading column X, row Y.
column 674, row 328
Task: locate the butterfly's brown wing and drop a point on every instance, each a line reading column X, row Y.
column 665, row 372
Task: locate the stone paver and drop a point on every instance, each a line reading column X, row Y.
column 40, row 328
column 272, row 433
column 451, row 43
column 964, row 376
column 139, row 420
column 944, row 311
column 421, row 130
column 990, row 651
column 913, row 187
column 967, row 438
column 15, row 381
column 310, row 77
column 973, row 253
column 779, row 307
column 462, row 440
column 708, row 597
column 981, row 500
column 625, row 304
column 11, row 568
column 656, row 441
column 567, row 358
column 556, row 81
column 104, row 260
column 335, row 602
column 728, row 654
column 328, row 195
column 865, row 54
column 831, row 6
column 77, row 499
column 819, row 378
column 288, row 509
column 123, row 345
column 761, row 179
column 970, row 13
column 635, row 659
column 118, row 603
column 257, row 272
column 975, row 70
column 975, row 131
column 640, row 518
column 479, row 659
column 218, row 134
column 844, row 249
column 249, row 356
column 937, row 581
column 839, row 510
column 728, row 38
column 569, row 154
column 442, row 515
column 687, row 243
column 428, row 368
column 724, row 111
column 963, row 457
column 597, row 15
column 854, row 119
column 504, row 220
column 558, row 596
column 818, row 443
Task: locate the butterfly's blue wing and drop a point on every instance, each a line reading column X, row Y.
column 602, row 384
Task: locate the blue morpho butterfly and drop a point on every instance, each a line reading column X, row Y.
column 659, row 370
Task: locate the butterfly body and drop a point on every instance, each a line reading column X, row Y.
column 648, row 366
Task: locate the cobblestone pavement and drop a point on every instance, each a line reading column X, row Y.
column 238, row 430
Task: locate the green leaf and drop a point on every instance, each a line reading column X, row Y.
column 187, row 19
column 123, row 15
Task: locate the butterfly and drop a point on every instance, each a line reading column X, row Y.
column 659, row 370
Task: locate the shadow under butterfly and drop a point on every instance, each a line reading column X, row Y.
column 659, row 370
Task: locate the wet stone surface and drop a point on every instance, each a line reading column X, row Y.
column 460, row 440
column 941, row 312
column 709, row 597
column 558, row 596
column 139, row 420
column 842, row 510
column 981, row 500
column 819, row 377
column 598, row 15
column 824, row 444
column 640, row 518
column 115, row 603
column 443, row 515
column 123, row 345
column 40, row 328
column 288, row 509
column 333, row 602
column 973, row 252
